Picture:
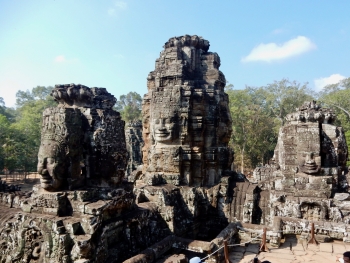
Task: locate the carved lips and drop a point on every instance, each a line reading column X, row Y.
column 163, row 130
column 310, row 166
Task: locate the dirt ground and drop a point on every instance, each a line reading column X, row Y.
column 18, row 179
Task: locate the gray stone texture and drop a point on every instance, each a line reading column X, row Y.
column 186, row 120
column 83, row 140
column 134, row 144
column 306, row 180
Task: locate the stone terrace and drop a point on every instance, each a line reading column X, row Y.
column 292, row 250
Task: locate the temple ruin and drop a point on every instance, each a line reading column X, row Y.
column 307, row 179
column 162, row 188
column 186, row 121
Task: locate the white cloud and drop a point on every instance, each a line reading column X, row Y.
column 272, row 51
column 60, row 59
column 118, row 5
column 332, row 79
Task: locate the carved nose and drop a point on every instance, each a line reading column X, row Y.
column 42, row 164
column 310, row 159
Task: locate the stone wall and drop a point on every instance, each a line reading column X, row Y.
column 93, row 225
column 134, row 144
column 307, row 177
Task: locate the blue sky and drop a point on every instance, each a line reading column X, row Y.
column 114, row 44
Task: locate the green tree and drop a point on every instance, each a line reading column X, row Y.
column 21, row 140
column 9, row 113
column 26, row 133
column 4, row 130
column 336, row 96
column 257, row 115
column 38, row 93
column 9, row 154
column 129, row 106
column 284, row 96
column 2, row 109
column 253, row 137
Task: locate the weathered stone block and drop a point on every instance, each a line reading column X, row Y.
column 51, row 211
column 95, row 208
column 27, row 208
column 73, row 226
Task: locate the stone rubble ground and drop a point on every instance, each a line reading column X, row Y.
column 291, row 251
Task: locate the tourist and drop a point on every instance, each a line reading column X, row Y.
column 345, row 259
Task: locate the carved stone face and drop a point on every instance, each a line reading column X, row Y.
column 50, row 166
column 224, row 132
column 164, row 129
column 309, row 162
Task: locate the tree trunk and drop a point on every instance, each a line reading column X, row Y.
column 25, row 174
column 242, row 161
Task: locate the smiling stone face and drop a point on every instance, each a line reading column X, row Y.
column 83, row 137
column 164, row 129
column 309, row 162
column 51, row 166
column 308, row 147
column 60, row 148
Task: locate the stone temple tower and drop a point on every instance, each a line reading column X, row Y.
column 186, row 119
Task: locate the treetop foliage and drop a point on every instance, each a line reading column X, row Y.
column 36, row 94
column 336, row 96
column 129, row 106
column 20, row 129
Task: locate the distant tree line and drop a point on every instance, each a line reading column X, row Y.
column 20, row 129
column 257, row 114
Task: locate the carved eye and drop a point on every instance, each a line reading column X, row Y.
column 156, row 121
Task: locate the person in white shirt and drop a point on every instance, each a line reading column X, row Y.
column 345, row 259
